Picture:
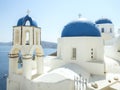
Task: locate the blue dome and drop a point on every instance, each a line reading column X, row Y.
column 103, row 21
column 22, row 21
column 80, row 28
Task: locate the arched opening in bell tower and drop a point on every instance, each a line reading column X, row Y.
column 20, row 62
column 37, row 59
column 27, row 41
column 33, row 55
column 27, row 23
column 17, row 58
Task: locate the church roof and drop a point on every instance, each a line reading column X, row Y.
column 80, row 28
column 22, row 21
column 65, row 72
column 103, row 21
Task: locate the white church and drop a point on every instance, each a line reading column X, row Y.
column 87, row 57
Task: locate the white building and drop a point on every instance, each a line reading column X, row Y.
column 106, row 28
column 80, row 63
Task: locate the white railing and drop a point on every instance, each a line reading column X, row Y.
column 80, row 83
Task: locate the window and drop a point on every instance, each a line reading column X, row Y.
column 74, row 53
column 91, row 49
column 92, row 53
column 27, row 42
column 110, row 30
column 102, row 30
column 92, row 57
column 118, row 51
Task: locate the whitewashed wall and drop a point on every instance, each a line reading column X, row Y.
column 83, row 47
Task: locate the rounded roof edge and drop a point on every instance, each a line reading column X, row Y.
column 22, row 21
column 103, row 21
column 80, row 28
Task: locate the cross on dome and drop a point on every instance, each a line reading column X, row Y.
column 28, row 12
column 79, row 15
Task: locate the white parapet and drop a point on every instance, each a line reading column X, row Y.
column 13, row 63
column 27, row 66
column 40, row 65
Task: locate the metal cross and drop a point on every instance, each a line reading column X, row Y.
column 79, row 15
column 28, row 12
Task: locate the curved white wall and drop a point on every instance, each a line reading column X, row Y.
column 83, row 47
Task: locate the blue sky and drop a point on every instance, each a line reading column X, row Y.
column 53, row 15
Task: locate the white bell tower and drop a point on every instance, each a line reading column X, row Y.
column 26, row 55
column 106, row 28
